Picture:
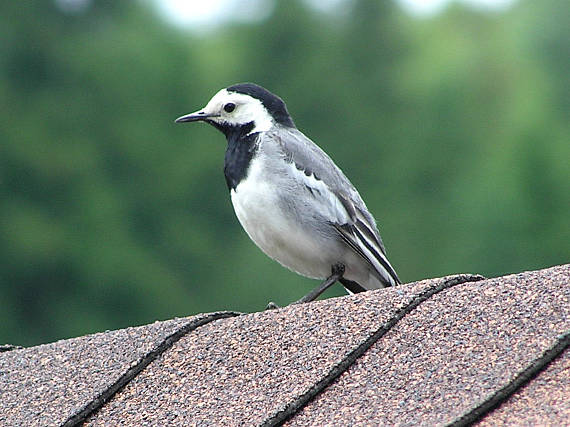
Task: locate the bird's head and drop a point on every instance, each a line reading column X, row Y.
column 242, row 106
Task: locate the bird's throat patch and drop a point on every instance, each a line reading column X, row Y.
column 241, row 148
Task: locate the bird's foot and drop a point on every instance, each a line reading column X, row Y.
column 271, row 306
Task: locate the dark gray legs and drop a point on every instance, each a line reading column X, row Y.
column 337, row 271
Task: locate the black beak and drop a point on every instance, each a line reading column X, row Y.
column 194, row 117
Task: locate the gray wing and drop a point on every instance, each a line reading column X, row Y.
column 339, row 200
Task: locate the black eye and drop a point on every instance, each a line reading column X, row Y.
column 229, row 107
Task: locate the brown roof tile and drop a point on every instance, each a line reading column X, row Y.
column 433, row 352
column 52, row 383
column 544, row 401
column 243, row 369
column 450, row 354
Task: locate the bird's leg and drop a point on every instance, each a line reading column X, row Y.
column 271, row 306
column 337, row 270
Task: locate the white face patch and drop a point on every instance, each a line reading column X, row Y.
column 247, row 109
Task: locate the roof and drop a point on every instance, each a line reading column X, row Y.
column 449, row 351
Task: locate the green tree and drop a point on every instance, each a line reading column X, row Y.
column 453, row 128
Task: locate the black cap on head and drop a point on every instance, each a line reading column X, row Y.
column 271, row 102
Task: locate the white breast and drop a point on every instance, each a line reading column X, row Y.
column 278, row 235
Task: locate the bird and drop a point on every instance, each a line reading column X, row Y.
column 290, row 197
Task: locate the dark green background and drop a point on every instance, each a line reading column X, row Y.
column 454, row 128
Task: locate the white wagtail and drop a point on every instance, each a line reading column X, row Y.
column 290, row 197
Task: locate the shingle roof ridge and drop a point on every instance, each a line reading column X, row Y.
column 9, row 347
column 501, row 395
column 297, row 404
column 94, row 405
column 372, row 337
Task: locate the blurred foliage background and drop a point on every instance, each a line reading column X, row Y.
column 454, row 128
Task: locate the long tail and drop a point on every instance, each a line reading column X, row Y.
column 364, row 241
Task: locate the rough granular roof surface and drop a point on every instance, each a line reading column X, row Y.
column 50, row 384
column 544, row 401
column 452, row 351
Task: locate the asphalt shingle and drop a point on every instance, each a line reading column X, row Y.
column 242, row 370
column 434, row 352
column 50, row 384
column 450, row 354
column 544, row 401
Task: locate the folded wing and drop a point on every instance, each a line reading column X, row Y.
column 339, row 202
